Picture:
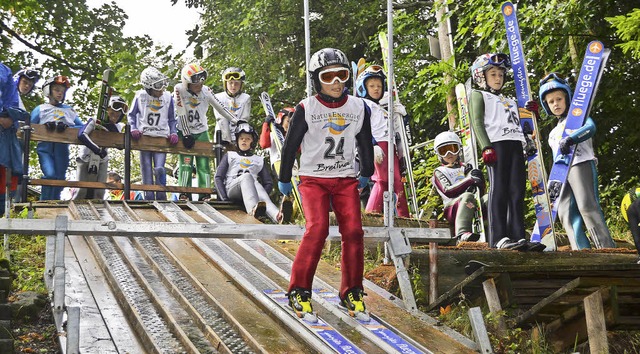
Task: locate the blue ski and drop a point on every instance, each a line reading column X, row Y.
column 543, row 231
column 594, row 61
column 326, row 332
column 377, row 328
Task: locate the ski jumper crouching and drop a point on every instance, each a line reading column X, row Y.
column 328, row 127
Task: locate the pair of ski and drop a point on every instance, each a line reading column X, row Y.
column 277, row 137
column 590, row 73
column 403, row 134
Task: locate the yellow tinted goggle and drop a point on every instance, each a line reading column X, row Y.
column 453, row 149
column 329, row 76
column 232, row 76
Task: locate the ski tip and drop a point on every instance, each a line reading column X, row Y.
column 309, row 317
column 507, row 8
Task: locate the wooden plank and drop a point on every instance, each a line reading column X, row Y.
column 546, row 301
column 480, row 330
column 493, row 300
column 116, row 140
column 596, row 326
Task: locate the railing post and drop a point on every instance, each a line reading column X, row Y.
column 127, row 162
column 59, row 270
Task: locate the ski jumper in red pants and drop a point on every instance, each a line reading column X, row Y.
column 328, row 130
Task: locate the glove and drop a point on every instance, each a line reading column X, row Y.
column 270, row 119
column 285, row 187
column 477, row 175
column 565, row 145
column 136, row 134
column 60, row 127
column 467, row 169
column 188, row 141
column 362, row 182
column 378, row 154
column 51, row 126
column 102, row 153
column 399, row 108
column 489, row 156
column 526, row 128
column 173, row 139
column 533, row 107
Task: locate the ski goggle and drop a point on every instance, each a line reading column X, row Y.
column 119, row 106
column 553, row 77
column 160, row 84
column 198, row 77
column 452, row 149
column 500, row 60
column 329, row 76
column 374, row 69
column 30, row 74
column 232, row 76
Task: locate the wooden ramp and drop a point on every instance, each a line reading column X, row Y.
column 554, row 296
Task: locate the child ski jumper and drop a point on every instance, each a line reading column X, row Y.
column 10, row 148
column 243, row 177
column 25, row 80
column 496, row 121
column 93, row 160
column 630, row 208
column 582, row 182
column 371, row 85
column 56, row 117
column 457, row 186
column 234, row 99
column 282, row 122
column 152, row 115
column 328, row 127
column 192, row 99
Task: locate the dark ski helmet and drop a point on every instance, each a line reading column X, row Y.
column 486, row 61
column 31, row 74
column 233, row 73
column 56, row 80
column 323, row 58
column 550, row 83
column 369, row 72
column 244, row 127
column 285, row 112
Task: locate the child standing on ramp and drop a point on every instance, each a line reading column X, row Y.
column 328, row 127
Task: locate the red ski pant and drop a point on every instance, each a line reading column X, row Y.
column 3, row 181
column 342, row 194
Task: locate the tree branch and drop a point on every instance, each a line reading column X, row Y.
column 42, row 51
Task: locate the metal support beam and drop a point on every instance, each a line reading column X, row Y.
column 205, row 230
column 399, row 248
column 73, row 330
column 480, row 330
column 59, row 270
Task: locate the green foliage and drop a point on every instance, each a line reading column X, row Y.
column 628, row 29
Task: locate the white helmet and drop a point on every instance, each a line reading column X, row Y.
column 118, row 104
column 233, row 73
column 445, row 139
column 192, row 74
column 56, row 80
column 152, row 79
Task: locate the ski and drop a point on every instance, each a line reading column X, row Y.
column 543, row 231
column 105, row 94
column 372, row 324
column 320, row 328
column 469, row 155
column 403, row 151
column 595, row 59
column 278, row 140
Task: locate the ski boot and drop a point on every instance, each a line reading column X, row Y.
column 286, row 211
column 506, row 244
column 260, row 210
column 300, row 303
column 354, row 304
